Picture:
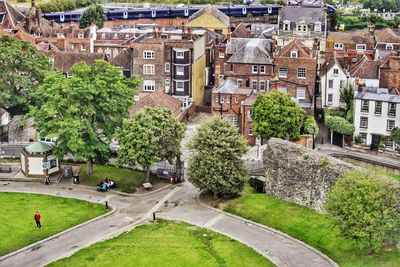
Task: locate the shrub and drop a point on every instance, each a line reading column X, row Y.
column 339, row 125
column 358, row 139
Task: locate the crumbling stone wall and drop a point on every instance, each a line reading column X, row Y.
column 21, row 129
column 300, row 175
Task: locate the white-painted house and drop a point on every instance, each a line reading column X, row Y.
column 334, row 78
column 376, row 114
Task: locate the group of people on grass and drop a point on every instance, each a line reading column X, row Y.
column 105, row 185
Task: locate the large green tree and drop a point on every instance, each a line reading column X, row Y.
column 151, row 135
column 381, row 4
column 94, row 13
column 21, row 69
column 396, row 137
column 366, row 209
column 276, row 115
column 216, row 163
column 83, row 111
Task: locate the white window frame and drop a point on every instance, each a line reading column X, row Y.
column 83, row 47
column 393, row 109
column 254, row 69
column 378, row 108
column 283, row 72
column 335, row 72
column 331, row 98
column 262, row 85
column 236, row 99
column 80, row 35
column 233, row 120
column 254, row 84
column 180, row 70
column 300, row 71
column 363, row 122
column 365, row 106
column 180, row 54
column 391, row 124
column 262, row 69
column 361, row 47
column 317, row 27
column 338, row 46
column 217, row 98
column 180, row 88
column 167, row 85
column 294, row 54
column 149, row 69
column 389, row 47
column 286, row 26
column 239, row 82
column 221, row 99
column 330, row 83
column 301, row 93
column 167, row 67
column 149, row 85
column 148, row 54
column 127, row 35
column 250, row 132
column 282, row 89
column 115, row 36
column 221, row 55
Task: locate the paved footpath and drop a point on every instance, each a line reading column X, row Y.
column 178, row 203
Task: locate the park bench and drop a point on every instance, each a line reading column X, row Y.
column 5, row 168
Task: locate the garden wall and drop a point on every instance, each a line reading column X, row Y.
column 301, row 175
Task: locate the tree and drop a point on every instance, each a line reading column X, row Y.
column 366, row 209
column 396, row 137
column 216, row 163
column 310, row 125
column 93, row 13
column 347, row 96
column 83, row 111
column 276, row 115
column 339, row 125
column 149, row 136
column 22, row 68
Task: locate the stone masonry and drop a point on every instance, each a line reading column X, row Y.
column 301, row 175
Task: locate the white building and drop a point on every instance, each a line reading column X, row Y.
column 334, row 78
column 376, row 114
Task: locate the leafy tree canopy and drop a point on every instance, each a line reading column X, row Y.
column 149, row 136
column 310, row 125
column 366, row 209
column 276, row 115
column 21, row 69
column 339, row 125
column 83, row 111
column 93, row 13
column 216, row 163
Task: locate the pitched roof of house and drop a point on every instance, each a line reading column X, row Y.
column 295, row 44
column 355, row 37
column 157, row 99
column 263, row 30
column 9, row 15
column 393, row 55
column 64, row 61
column 230, row 87
column 242, row 31
column 387, row 35
column 308, row 14
column 123, row 59
column 377, row 94
column 366, row 68
column 255, row 51
column 214, row 12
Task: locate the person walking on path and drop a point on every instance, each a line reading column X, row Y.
column 37, row 220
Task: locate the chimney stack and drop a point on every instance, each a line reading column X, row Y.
column 217, row 74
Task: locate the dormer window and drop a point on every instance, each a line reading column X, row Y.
column 317, row 27
column 60, row 35
column 286, row 25
column 36, row 34
column 389, row 46
column 293, row 54
column 361, row 47
column 302, row 27
column 80, row 35
column 338, row 46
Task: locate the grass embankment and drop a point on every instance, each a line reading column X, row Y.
column 127, row 180
column 166, row 243
column 309, row 226
column 18, row 228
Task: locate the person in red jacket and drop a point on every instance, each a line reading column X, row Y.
column 37, row 220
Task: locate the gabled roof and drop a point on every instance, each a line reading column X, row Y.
column 157, row 99
column 242, row 31
column 255, row 51
column 295, row 44
column 334, row 62
column 212, row 10
column 230, row 87
column 366, row 68
column 64, row 61
column 123, row 59
column 384, row 63
column 387, row 36
column 10, row 15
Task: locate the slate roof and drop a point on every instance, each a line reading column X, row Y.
column 63, row 61
column 387, row 36
column 263, row 30
column 255, row 51
column 230, row 87
column 157, row 99
column 308, row 14
column 38, row 147
column 214, row 12
column 377, row 94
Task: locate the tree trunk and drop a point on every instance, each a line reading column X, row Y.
column 147, row 174
column 215, row 195
column 89, row 167
column 178, row 167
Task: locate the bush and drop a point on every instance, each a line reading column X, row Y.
column 65, row 5
column 310, row 125
column 358, row 139
column 339, row 125
column 366, row 209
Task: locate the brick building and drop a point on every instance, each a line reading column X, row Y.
column 296, row 65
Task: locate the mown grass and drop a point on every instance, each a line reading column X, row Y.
column 18, row 228
column 167, row 243
column 309, row 226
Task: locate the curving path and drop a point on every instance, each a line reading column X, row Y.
column 177, row 203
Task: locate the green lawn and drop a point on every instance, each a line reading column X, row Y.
column 126, row 179
column 307, row 225
column 18, row 229
column 167, row 243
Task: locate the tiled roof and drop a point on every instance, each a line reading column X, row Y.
column 387, row 36
column 63, row 61
column 230, row 87
column 123, row 59
column 295, row 44
column 366, row 68
column 255, row 51
column 213, row 11
column 11, row 16
column 355, row 37
column 308, row 14
column 157, row 99
column 242, row 31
